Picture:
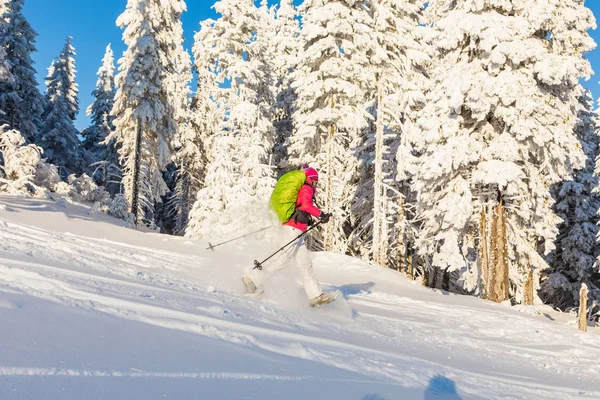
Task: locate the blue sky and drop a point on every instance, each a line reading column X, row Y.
column 92, row 25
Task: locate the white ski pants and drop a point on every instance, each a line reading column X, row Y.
column 296, row 252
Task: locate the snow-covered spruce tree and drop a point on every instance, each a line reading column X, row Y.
column 63, row 77
column 577, row 204
column 107, row 171
column 249, row 101
column 20, row 99
column 49, row 91
column 144, row 109
column 5, row 74
column 498, row 131
column 172, row 213
column 280, row 32
column 58, row 135
column 189, row 159
column 398, row 60
column 233, row 54
column 211, row 149
column 330, row 79
column 206, row 117
column 209, row 216
column 99, row 111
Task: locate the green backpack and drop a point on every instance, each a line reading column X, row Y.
column 284, row 197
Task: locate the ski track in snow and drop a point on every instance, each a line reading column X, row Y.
column 46, row 372
column 395, row 332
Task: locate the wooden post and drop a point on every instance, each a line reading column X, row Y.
column 135, row 182
column 583, row 308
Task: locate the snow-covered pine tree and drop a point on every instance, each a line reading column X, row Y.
column 211, row 149
column 209, row 216
column 5, row 74
column 58, row 135
column 498, row 131
column 398, row 62
column 191, row 162
column 64, row 76
column 172, row 217
column 209, row 103
column 179, row 81
column 241, row 60
column 330, row 80
column 145, row 107
column 233, row 53
column 99, row 111
column 107, row 170
column 20, row 99
column 189, row 157
column 49, row 91
column 577, row 203
column 280, row 33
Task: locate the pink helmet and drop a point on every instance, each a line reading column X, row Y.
column 311, row 173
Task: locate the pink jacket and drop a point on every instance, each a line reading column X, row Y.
column 305, row 203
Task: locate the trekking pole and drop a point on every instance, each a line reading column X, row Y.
column 259, row 265
column 212, row 246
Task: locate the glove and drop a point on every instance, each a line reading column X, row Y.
column 324, row 218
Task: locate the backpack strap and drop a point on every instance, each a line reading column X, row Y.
column 300, row 215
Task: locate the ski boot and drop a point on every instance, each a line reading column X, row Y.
column 322, row 299
column 249, row 285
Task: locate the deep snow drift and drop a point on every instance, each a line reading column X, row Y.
column 90, row 309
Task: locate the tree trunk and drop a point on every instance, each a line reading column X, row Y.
column 432, row 279
column 439, row 278
column 105, row 172
column 484, row 256
column 403, row 261
column 135, row 184
column 583, row 308
column 528, row 296
column 183, row 199
column 498, row 256
column 185, row 203
column 504, row 253
column 328, row 233
column 379, row 209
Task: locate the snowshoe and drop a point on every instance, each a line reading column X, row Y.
column 322, row 299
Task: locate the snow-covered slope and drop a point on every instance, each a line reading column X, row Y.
column 90, row 309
